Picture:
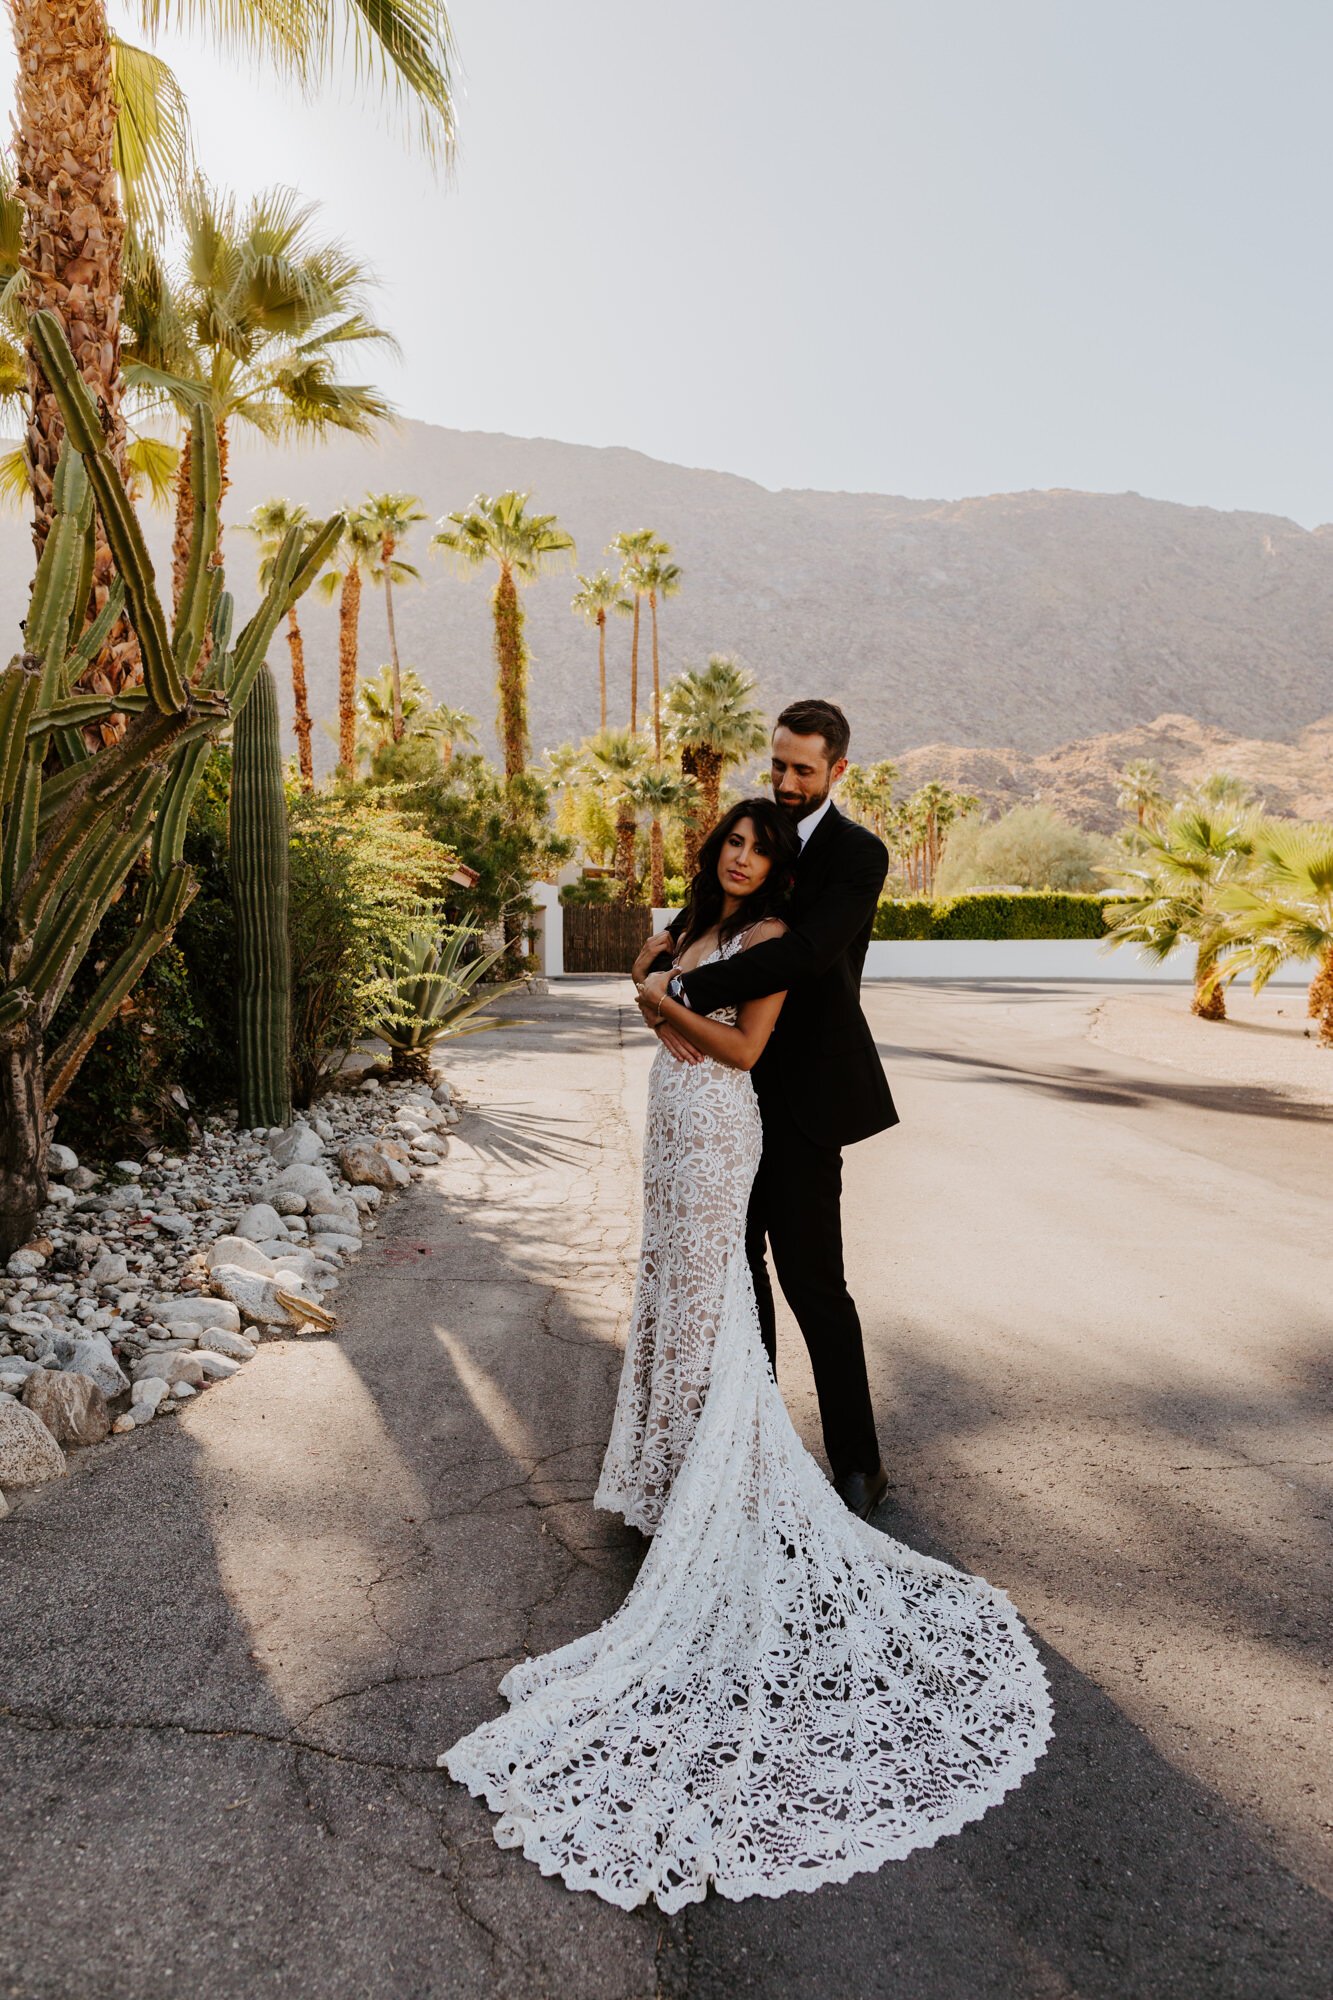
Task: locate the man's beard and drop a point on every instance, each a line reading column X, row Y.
column 798, row 808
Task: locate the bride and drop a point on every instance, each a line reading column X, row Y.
column 786, row 1696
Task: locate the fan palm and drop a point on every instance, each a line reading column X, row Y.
column 595, row 596
column 1142, row 791
column 269, row 523
column 1286, row 912
column 354, row 557
column 868, row 792
column 252, row 323
column 395, row 514
column 1184, row 864
column 635, row 550
column 420, row 716
column 657, row 791
column 616, row 760
column 92, row 118
column 714, row 726
column 521, row 545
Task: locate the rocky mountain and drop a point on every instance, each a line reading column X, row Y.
column 1081, row 779
column 1029, row 619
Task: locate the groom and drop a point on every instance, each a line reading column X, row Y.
column 819, row 1082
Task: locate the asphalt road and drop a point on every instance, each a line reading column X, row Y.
column 1096, row 1303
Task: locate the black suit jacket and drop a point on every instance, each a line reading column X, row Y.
column 821, row 1063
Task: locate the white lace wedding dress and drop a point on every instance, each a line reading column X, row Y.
column 786, row 1696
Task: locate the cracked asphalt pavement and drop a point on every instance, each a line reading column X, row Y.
column 1096, row 1306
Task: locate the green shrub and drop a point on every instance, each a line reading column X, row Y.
column 1028, row 847
column 589, row 890
column 498, row 828
column 1016, row 914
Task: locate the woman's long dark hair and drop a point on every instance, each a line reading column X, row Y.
column 775, row 836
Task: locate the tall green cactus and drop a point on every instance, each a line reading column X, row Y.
column 73, row 824
column 259, row 897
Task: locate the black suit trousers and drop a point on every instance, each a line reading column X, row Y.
column 796, row 1208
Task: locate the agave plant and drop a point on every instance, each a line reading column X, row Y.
column 74, row 823
column 436, row 993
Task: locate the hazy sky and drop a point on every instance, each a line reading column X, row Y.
column 933, row 249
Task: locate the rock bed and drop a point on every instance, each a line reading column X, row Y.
column 148, row 1281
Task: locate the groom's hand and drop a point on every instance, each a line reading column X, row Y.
column 648, row 997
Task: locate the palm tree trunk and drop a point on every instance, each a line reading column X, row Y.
column 657, row 863
column 395, row 671
column 180, row 541
column 1208, row 1001
column 657, row 682
column 349, row 612
column 1320, row 1001
column 710, row 785
column 511, row 660
column 300, row 701
column 634, row 671
column 601, row 662
column 625, row 831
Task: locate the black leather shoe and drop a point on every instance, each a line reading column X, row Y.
column 863, row 1491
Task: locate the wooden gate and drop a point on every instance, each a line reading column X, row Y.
column 604, row 937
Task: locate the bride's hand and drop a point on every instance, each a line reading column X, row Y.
column 659, row 942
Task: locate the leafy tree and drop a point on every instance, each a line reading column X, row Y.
column 1029, row 847
column 521, row 545
column 395, row 515
column 595, row 596
column 714, row 727
column 497, row 826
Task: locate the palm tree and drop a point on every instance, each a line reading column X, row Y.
column 453, row 726
column 867, row 790
column 269, row 523
column 595, row 596
column 1142, row 791
column 933, row 809
column 75, row 156
column 1184, row 864
column 713, row 726
column 615, row 760
column 253, row 323
column 657, row 791
column 395, row 514
column 660, row 579
column 634, row 551
column 356, row 554
column 521, row 545
column 1287, row 912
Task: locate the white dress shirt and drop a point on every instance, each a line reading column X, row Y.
column 805, row 827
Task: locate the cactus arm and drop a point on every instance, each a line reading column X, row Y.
column 77, row 709
column 119, row 520
column 197, row 588
column 96, row 789
column 52, row 603
column 294, row 570
column 166, row 906
column 18, row 697
column 323, row 541
column 21, row 832
column 174, row 811
column 60, row 944
column 91, row 642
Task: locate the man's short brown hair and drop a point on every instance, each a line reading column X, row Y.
column 818, row 718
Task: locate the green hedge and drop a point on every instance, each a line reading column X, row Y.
column 1009, row 914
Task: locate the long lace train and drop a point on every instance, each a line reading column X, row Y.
column 786, row 1696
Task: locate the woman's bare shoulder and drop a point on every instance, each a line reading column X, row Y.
column 771, row 927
